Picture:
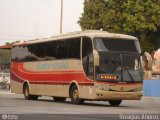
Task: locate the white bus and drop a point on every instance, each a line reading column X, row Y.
column 87, row 65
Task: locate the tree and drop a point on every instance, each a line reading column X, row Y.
column 140, row 18
column 92, row 17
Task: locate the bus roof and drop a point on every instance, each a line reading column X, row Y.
column 89, row 33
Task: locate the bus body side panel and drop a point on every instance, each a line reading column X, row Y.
column 16, row 82
column 87, row 91
column 53, row 78
column 16, row 87
column 49, row 78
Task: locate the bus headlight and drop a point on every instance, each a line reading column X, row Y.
column 138, row 89
column 104, row 88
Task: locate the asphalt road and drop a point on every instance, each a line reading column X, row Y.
column 15, row 107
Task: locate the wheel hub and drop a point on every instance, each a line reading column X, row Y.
column 75, row 94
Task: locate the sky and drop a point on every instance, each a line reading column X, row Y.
column 31, row 19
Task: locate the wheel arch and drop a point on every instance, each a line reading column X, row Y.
column 25, row 83
column 73, row 83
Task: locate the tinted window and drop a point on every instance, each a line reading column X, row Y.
column 51, row 49
column 19, row 53
column 61, row 49
column 86, row 46
column 69, row 48
column 74, row 48
column 37, row 52
column 111, row 44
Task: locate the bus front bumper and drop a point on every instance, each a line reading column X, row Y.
column 112, row 95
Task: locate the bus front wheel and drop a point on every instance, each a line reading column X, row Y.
column 115, row 102
column 75, row 96
column 27, row 95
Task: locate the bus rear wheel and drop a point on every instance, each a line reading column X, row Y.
column 74, row 94
column 27, row 95
column 59, row 99
column 115, row 102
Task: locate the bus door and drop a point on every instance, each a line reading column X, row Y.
column 87, row 57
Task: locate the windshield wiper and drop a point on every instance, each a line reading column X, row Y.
column 123, row 67
column 129, row 73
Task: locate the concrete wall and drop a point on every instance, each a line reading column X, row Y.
column 151, row 88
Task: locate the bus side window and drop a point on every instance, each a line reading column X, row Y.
column 74, row 48
column 87, row 57
column 51, row 50
column 36, row 52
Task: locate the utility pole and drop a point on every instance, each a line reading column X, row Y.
column 61, row 17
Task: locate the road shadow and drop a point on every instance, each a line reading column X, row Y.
column 86, row 103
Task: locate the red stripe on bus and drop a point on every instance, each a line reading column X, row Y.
column 62, row 83
column 20, row 75
column 21, row 80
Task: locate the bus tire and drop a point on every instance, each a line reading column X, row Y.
column 27, row 95
column 115, row 102
column 59, row 99
column 75, row 96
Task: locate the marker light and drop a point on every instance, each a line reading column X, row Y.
column 109, row 77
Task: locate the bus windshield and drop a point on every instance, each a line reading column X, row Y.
column 118, row 58
column 112, row 44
